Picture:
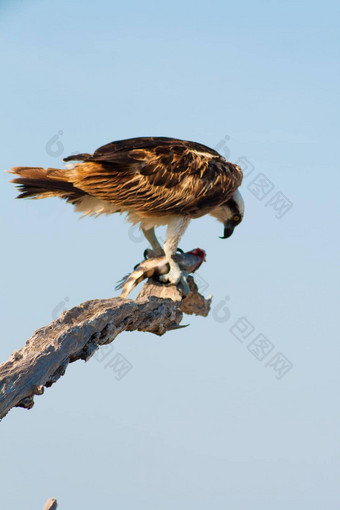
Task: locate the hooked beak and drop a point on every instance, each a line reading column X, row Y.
column 228, row 230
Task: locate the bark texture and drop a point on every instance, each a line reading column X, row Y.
column 80, row 331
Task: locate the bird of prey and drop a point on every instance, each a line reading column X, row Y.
column 155, row 180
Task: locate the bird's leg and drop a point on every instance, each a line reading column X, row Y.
column 157, row 250
column 175, row 230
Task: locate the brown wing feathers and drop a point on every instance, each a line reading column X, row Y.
column 154, row 176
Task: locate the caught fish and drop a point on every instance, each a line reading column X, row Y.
column 189, row 262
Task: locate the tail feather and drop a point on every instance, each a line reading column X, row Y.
column 34, row 182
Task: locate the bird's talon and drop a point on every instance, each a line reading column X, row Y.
column 150, row 254
column 167, row 278
column 178, row 278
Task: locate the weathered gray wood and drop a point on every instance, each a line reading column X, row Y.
column 51, row 504
column 192, row 304
column 78, row 333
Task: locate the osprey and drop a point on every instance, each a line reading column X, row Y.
column 155, row 180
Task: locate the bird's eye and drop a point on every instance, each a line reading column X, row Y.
column 236, row 218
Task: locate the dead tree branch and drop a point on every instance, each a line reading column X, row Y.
column 79, row 332
column 51, row 504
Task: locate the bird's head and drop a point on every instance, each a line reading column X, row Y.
column 230, row 214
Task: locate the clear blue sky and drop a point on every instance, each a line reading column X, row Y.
column 199, row 421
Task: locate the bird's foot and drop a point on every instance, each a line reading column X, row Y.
column 176, row 277
column 151, row 254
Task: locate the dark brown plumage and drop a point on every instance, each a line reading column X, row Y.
column 154, row 176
